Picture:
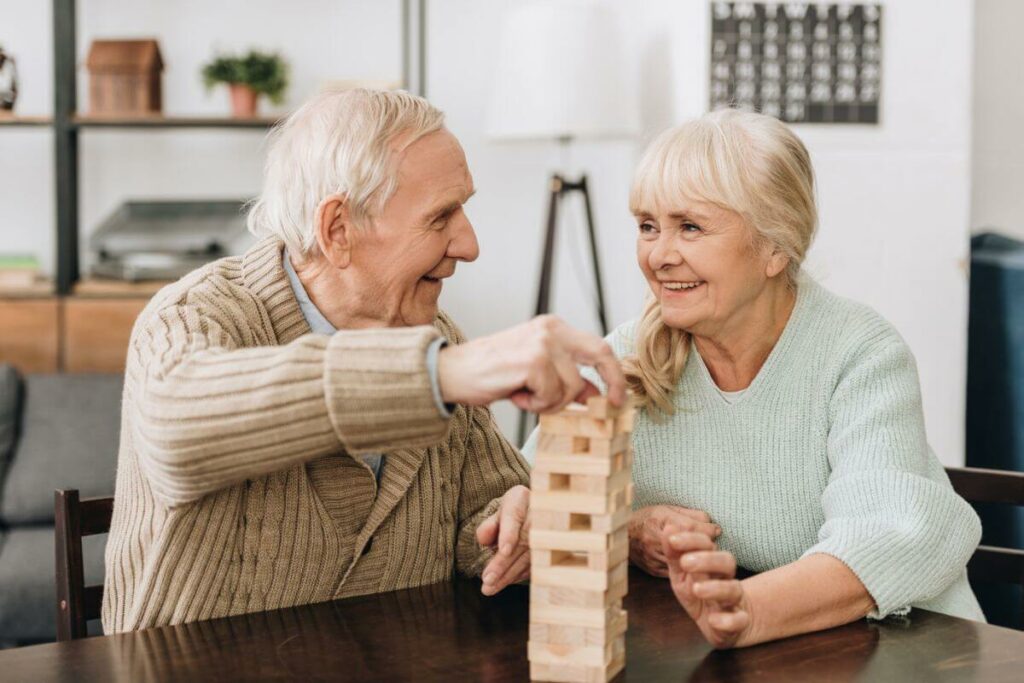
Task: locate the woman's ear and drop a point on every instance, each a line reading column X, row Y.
column 777, row 262
column 334, row 230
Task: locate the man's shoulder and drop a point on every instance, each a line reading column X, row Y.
column 216, row 286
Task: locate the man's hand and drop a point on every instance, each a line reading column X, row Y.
column 533, row 364
column 704, row 582
column 508, row 531
column 645, row 533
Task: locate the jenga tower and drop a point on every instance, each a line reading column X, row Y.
column 579, row 545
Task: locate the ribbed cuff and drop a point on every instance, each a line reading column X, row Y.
column 378, row 389
column 472, row 558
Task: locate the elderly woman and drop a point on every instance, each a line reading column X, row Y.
column 781, row 427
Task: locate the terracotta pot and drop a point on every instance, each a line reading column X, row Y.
column 243, row 101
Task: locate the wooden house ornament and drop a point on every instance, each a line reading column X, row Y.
column 582, row 493
column 125, row 78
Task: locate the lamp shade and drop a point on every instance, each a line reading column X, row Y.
column 561, row 74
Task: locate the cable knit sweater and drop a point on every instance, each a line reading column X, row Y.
column 824, row 453
column 237, row 489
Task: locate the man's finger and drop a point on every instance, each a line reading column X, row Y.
column 512, row 517
column 515, row 572
column 588, row 392
column 487, row 532
column 595, row 352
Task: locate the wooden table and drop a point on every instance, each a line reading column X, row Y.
column 449, row 632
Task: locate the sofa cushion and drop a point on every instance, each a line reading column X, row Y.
column 68, row 439
column 10, row 402
column 27, row 591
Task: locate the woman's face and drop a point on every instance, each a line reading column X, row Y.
column 700, row 262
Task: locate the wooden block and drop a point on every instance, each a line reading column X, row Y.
column 568, row 634
column 577, row 576
column 547, row 539
column 577, row 425
column 599, row 655
column 556, row 520
column 543, row 481
column 562, row 444
column 610, row 522
column 576, row 673
column 558, row 596
column 607, row 448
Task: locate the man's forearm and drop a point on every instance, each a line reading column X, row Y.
column 814, row 593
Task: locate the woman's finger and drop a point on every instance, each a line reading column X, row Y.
column 726, row 593
column 677, row 543
column 720, row 563
column 729, row 622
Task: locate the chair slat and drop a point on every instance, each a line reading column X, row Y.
column 999, row 565
column 73, row 519
column 987, row 486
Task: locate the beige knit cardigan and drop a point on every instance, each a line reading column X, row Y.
column 237, row 489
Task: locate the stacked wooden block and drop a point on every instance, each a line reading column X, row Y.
column 579, row 545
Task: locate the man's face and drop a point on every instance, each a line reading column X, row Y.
column 402, row 256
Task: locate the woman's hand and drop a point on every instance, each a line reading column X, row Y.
column 704, row 582
column 645, row 533
column 508, row 530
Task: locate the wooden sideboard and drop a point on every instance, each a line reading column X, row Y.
column 87, row 331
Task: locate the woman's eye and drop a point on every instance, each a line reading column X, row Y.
column 690, row 227
column 647, row 229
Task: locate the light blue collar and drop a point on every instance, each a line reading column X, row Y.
column 317, row 322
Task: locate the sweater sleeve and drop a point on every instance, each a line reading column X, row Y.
column 890, row 513
column 491, row 467
column 214, row 404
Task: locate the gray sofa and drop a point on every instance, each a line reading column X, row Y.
column 56, row 431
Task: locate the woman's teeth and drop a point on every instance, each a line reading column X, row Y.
column 681, row 285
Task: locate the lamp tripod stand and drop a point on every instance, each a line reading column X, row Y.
column 559, row 188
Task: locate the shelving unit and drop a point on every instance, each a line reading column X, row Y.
column 55, row 310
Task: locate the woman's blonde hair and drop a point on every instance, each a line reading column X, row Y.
column 741, row 161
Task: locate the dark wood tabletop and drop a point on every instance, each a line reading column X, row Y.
column 450, row 632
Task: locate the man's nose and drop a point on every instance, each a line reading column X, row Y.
column 463, row 245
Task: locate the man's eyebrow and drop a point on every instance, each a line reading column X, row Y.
column 449, row 207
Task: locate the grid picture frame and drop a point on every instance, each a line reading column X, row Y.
column 800, row 62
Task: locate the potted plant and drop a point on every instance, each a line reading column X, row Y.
column 249, row 76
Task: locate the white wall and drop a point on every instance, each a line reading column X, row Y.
column 997, row 198
column 894, row 197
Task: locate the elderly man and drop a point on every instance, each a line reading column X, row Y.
column 302, row 423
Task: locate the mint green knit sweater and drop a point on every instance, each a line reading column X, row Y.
column 824, row 453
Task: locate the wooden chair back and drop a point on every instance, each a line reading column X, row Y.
column 991, row 564
column 73, row 519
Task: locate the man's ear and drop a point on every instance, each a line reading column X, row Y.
column 334, row 230
column 777, row 263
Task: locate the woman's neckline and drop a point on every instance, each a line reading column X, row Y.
column 785, row 339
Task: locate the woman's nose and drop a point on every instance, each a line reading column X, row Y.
column 665, row 254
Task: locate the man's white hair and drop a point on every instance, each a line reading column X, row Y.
column 337, row 143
